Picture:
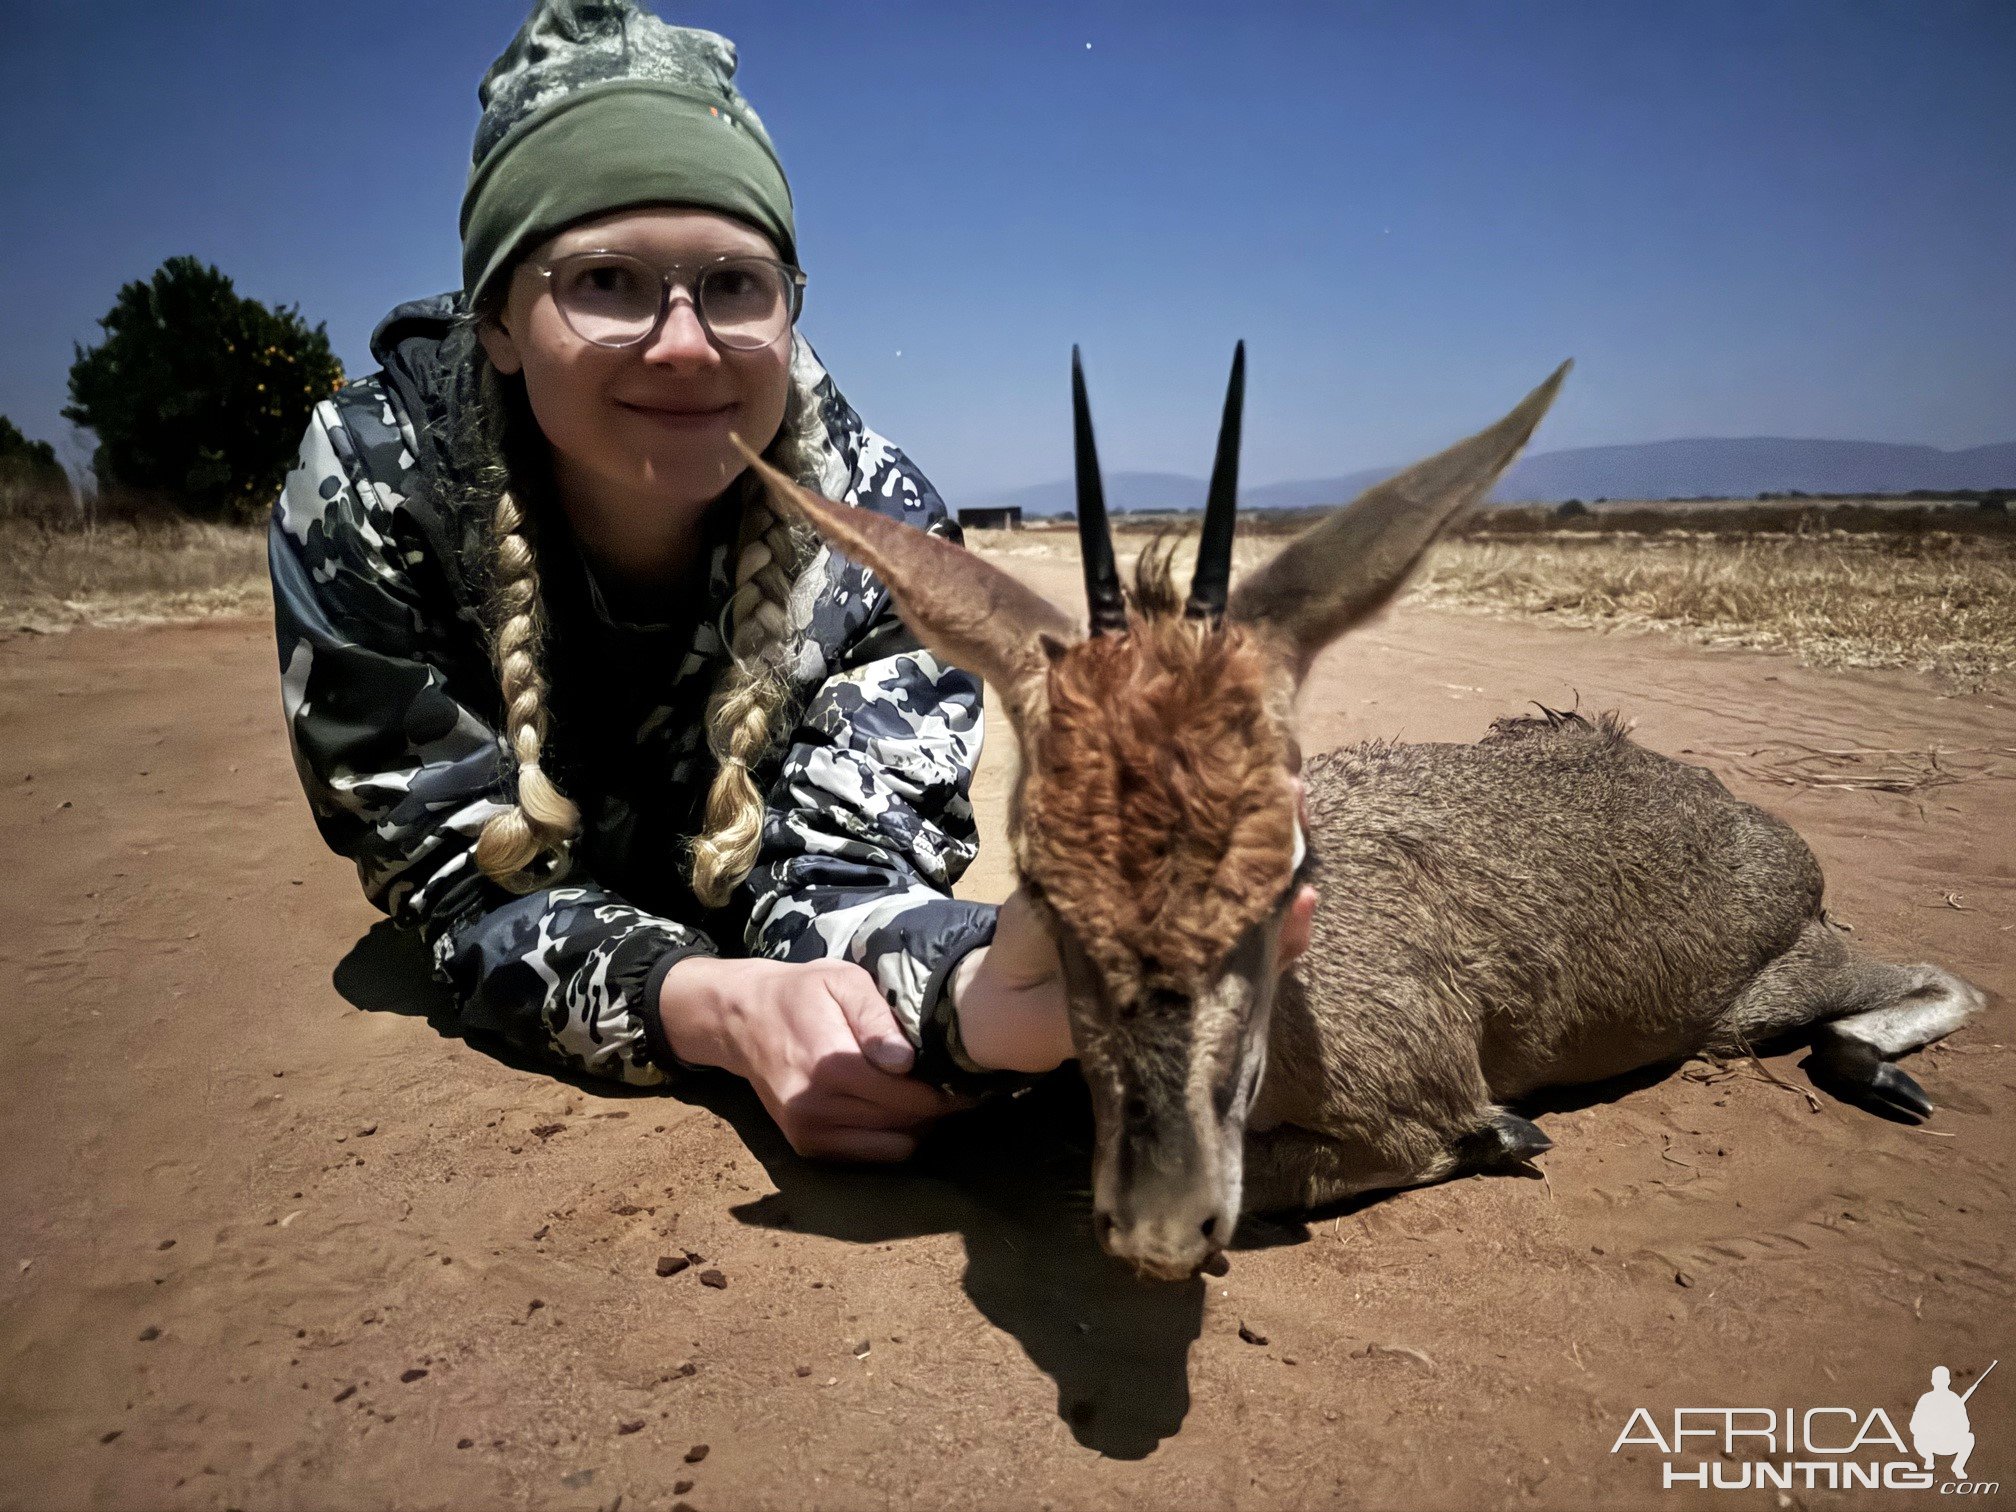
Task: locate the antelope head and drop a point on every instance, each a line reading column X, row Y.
column 1153, row 821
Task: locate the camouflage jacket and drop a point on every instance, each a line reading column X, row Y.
column 393, row 712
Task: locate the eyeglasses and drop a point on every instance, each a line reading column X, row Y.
column 615, row 300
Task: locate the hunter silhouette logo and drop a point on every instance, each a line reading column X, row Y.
column 1817, row 1448
column 1939, row 1422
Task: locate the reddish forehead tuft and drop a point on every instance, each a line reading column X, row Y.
column 1157, row 811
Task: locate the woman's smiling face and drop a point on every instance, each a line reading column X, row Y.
column 644, row 426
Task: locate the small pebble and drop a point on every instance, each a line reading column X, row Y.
column 465, row 1443
column 410, row 1376
column 543, row 1230
column 165, row 1244
column 345, row 1394
column 635, row 1425
column 696, row 1454
column 367, row 1131
column 149, row 1334
column 671, row 1265
column 106, row 1438
column 1681, row 1278
column 1250, row 1336
column 689, row 1368
column 681, row 1487
column 804, row 1370
column 714, row 1279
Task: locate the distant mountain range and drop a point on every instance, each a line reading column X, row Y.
column 1737, row 468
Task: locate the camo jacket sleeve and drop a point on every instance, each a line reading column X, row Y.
column 393, row 736
column 869, row 822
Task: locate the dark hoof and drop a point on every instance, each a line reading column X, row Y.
column 1854, row 1072
column 1507, row 1143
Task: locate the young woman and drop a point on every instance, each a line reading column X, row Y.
column 661, row 784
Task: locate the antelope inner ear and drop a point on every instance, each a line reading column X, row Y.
column 968, row 611
column 1053, row 649
column 1351, row 563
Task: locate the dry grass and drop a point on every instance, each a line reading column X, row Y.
column 1934, row 602
column 1939, row 604
column 127, row 574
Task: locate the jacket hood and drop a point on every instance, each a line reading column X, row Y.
column 423, row 349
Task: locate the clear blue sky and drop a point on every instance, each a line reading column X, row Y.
column 1741, row 218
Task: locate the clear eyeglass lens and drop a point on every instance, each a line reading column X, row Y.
column 613, row 300
column 607, row 299
column 744, row 304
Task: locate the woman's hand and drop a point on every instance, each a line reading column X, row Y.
column 1009, row 995
column 817, row 1041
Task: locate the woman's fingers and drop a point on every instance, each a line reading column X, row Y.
column 1295, row 927
column 842, row 1110
column 871, row 1018
column 852, row 1077
column 840, row 1143
column 1023, row 954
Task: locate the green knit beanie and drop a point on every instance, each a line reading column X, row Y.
column 598, row 106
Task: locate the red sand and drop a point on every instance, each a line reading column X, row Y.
column 274, row 1240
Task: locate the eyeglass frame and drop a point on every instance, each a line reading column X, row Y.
column 794, row 294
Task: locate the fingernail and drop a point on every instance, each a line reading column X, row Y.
column 890, row 1055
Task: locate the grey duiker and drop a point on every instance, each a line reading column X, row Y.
column 1549, row 906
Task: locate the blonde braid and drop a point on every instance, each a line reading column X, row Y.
column 745, row 703
column 544, row 820
column 752, row 689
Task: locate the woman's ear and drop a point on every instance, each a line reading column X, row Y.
column 498, row 345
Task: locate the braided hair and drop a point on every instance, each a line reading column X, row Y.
column 528, row 844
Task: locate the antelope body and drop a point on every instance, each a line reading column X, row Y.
column 1550, row 906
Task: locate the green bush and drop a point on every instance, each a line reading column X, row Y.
column 198, row 396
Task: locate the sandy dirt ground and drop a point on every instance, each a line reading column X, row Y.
column 276, row 1236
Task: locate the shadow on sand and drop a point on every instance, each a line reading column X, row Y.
column 1010, row 1177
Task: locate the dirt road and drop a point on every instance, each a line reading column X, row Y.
column 277, row 1237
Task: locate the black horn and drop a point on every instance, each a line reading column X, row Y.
column 1214, row 548
column 1095, row 538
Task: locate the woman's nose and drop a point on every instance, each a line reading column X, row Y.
column 681, row 339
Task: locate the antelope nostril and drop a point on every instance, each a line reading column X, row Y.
column 1209, row 1227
